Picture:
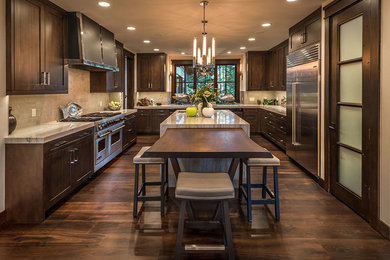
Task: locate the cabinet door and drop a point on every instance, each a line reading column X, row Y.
column 82, row 160
column 25, row 41
column 118, row 75
column 296, row 40
column 55, row 30
column 129, row 131
column 144, row 118
column 251, row 116
column 312, row 32
column 157, row 69
column 57, row 175
column 159, row 115
column 143, row 73
column 257, row 69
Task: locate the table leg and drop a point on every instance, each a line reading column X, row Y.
column 233, row 167
column 175, row 166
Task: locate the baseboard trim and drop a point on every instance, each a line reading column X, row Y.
column 383, row 229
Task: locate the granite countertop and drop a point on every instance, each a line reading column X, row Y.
column 276, row 109
column 123, row 111
column 47, row 132
column 50, row 131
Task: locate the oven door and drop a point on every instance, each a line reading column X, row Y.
column 115, row 140
column 101, row 148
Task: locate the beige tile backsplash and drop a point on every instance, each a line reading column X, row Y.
column 248, row 95
column 47, row 106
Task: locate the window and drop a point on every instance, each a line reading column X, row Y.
column 225, row 77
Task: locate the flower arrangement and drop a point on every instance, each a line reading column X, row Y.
column 204, row 95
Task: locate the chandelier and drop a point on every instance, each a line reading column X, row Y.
column 204, row 60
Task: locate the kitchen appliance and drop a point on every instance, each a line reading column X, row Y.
column 108, row 134
column 302, row 86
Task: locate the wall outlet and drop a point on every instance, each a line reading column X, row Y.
column 101, row 103
column 34, row 112
column 251, row 99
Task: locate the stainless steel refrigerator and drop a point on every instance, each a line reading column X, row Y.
column 303, row 80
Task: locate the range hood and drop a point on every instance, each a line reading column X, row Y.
column 91, row 46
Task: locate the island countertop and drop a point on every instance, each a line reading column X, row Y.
column 220, row 119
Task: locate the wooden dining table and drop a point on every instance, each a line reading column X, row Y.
column 231, row 143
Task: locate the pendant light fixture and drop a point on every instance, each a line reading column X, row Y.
column 204, row 59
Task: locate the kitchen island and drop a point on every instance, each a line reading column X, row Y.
column 223, row 119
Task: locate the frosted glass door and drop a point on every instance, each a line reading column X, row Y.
column 350, row 106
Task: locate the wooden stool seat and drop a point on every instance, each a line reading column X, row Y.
column 253, row 162
column 138, row 159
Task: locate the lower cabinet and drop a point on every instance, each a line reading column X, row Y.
column 149, row 120
column 274, row 127
column 251, row 115
column 129, row 131
column 40, row 175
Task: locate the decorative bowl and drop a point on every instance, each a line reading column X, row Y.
column 114, row 107
column 208, row 112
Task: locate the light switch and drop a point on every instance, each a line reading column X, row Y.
column 251, row 99
column 34, row 112
column 101, row 103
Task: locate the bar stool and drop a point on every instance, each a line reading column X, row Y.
column 140, row 194
column 246, row 189
column 216, row 187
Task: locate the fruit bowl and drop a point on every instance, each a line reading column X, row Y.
column 114, row 106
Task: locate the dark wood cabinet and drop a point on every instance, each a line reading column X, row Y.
column 110, row 81
column 129, row 131
column 149, row 120
column 36, row 47
column 151, row 69
column 158, row 116
column 277, row 68
column 306, row 32
column 257, row 62
column 251, row 115
column 273, row 126
column 49, row 173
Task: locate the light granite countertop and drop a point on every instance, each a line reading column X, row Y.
column 47, row 132
column 50, row 131
column 276, row 109
column 220, row 119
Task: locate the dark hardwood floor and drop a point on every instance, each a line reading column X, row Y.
column 97, row 223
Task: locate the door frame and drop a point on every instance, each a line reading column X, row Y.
column 374, row 10
column 129, row 74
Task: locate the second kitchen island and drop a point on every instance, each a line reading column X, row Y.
column 221, row 119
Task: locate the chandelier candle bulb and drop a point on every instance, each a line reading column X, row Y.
column 213, row 48
column 194, row 52
column 209, row 57
column 204, row 45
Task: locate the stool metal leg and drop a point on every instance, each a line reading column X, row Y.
column 162, row 188
column 179, row 246
column 135, row 201
column 249, row 194
column 263, row 191
column 228, row 230
column 276, row 188
column 240, row 180
column 143, row 180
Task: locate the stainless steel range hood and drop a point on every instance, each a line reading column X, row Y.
column 91, row 46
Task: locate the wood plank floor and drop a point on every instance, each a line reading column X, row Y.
column 97, row 223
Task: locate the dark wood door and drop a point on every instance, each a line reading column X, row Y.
column 257, row 70
column 353, row 109
column 25, row 46
column 55, row 35
column 157, row 69
column 82, row 160
column 57, row 175
column 143, row 73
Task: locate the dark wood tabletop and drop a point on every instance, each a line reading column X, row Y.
column 206, row 143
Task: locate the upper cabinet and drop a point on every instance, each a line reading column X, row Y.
column 257, row 63
column 277, row 67
column 36, row 48
column 151, row 69
column 110, row 81
column 91, row 46
column 306, row 32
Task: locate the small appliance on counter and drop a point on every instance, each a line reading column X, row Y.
column 71, row 110
column 11, row 121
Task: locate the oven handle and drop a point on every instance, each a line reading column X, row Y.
column 103, row 135
column 117, row 128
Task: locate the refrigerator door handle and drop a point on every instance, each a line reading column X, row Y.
column 294, row 113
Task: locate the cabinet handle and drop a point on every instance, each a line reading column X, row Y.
column 48, row 78
column 151, row 85
column 76, row 155
column 71, row 157
column 43, row 78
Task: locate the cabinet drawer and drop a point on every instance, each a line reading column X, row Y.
column 62, row 142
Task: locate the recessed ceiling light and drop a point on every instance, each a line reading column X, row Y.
column 229, row 52
column 146, row 41
column 266, row 25
column 182, row 53
column 291, row 0
column 104, row 4
column 251, row 39
column 131, row 28
column 156, row 49
column 242, row 48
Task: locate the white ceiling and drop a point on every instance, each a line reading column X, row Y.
column 171, row 25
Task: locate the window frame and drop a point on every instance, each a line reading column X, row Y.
column 235, row 62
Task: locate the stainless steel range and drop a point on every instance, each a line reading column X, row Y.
column 108, row 134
